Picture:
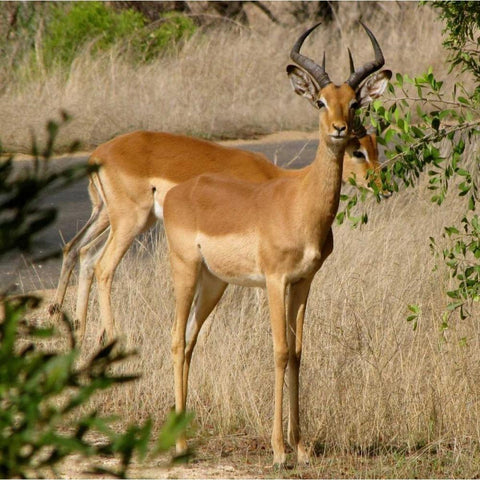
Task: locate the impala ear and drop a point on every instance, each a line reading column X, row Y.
column 373, row 87
column 303, row 84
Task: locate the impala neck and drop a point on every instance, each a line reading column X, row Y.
column 321, row 185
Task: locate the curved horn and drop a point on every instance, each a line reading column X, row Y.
column 363, row 72
column 350, row 58
column 316, row 71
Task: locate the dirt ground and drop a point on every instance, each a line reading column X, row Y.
column 247, row 457
column 225, row 457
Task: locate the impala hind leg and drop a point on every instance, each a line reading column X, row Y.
column 276, row 301
column 89, row 232
column 208, row 293
column 297, row 302
column 88, row 258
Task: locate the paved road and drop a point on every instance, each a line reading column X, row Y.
column 24, row 274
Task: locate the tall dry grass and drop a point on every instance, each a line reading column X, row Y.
column 223, row 83
column 369, row 380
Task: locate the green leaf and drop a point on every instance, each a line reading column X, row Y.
column 454, row 306
column 174, row 425
column 471, row 203
column 451, row 230
column 414, row 308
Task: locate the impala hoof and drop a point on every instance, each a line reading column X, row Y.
column 181, row 447
column 279, row 462
column 279, row 467
column 102, row 339
column 303, row 457
column 304, row 462
column 54, row 308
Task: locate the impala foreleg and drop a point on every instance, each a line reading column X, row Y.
column 122, row 233
column 276, row 289
column 297, row 302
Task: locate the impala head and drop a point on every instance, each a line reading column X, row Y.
column 361, row 158
column 337, row 103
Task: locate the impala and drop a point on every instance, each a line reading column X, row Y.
column 275, row 234
column 127, row 193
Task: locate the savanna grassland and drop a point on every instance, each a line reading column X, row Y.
column 379, row 398
column 223, row 83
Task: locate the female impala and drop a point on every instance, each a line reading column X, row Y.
column 274, row 234
column 137, row 170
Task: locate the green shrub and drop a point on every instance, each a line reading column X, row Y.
column 100, row 27
column 70, row 29
column 44, row 394
column 462, row 22
column 174, row 27
column 23, row 214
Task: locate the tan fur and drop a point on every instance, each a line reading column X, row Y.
column 277, row 234
column 136, row 171
column 238, row 230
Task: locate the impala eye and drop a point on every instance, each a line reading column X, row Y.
column 358, row 154
column 320, row 104
column 355, row 106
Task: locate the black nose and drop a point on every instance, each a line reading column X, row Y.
column 340, row 129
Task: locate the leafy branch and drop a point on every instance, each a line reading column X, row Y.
column 413, row 147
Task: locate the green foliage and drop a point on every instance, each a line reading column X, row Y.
column 71, row 29
column 44, row 394
column 415, row 313
column 413, row 148
column 41, row 392
column 54, row 33
column 100, row 27
column 463, row 259
column 444, row 122
column 462, row 21
column 172, row 29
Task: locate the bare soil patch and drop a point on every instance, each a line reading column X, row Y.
column 248, row 457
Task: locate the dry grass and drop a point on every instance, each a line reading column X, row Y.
column 229, row 83
column 369, row 382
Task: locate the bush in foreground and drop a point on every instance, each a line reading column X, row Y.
column 42, row 388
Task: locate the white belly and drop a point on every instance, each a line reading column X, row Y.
column 232, row 258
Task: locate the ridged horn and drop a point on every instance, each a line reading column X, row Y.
column 350, row 59
column 363, row 72
column 315, row 70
